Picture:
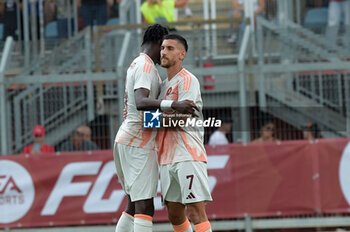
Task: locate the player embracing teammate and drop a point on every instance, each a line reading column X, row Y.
column 183, row 170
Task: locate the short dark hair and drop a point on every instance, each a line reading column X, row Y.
column 179, row 38
column 154, row 33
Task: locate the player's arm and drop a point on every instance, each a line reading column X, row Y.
column 188, row 91
column 143, row 102
column 142, row 88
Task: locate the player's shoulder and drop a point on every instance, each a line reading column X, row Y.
column 144, row 63
column 188, row 79
column 187, row 75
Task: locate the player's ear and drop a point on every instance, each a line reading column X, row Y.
column 183, row 54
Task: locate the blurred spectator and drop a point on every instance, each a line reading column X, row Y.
column 336, row 10
column 311, row 131
column 238, row 13
column 113, row 10
column 157, row 11
column 86, row 132
column 58, row 10
column 38, row 146
column 9, row 11
column 188, row 11
column 94, row 12
column 267, row 133
column 219, row 136
column 77, row 143
column 50, row 9
column 316, row 3
column 37, row 18
column 271, row 9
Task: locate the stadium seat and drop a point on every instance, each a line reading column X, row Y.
column 113, row 21
column 1, row 31
column 316, row 18
column 51, row 31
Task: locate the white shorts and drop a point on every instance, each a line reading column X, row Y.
column 185, row 182
column 137, row 170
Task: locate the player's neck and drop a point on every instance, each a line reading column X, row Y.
column 149, row 53
column 173, row 70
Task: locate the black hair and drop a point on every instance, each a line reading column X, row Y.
column 179, row 38
column 154, row 33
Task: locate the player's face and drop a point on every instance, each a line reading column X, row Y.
column 172, row 52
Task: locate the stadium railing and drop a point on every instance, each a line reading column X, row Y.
column 82, row 81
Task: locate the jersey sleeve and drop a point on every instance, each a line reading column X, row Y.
column 143, row 76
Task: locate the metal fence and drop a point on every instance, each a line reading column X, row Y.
column 282, row 70
column 308, row 13
column 280, row 73
column 305, row 83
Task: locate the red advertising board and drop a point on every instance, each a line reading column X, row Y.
column 272, row 179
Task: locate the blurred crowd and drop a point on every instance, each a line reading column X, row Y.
column 59, row 13
column 330, row 14
column 266, row 133
column 81, row 138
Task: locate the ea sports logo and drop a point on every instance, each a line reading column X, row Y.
column 344, row 173
column 16, row 191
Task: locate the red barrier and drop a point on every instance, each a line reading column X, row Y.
column 291, row 178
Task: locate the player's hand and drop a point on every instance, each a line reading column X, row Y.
column 185, row 107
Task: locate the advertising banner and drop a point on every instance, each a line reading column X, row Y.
column 271, row 179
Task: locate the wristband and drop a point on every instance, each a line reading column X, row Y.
column 165, row 105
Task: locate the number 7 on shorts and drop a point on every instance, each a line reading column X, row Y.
column 191, row 180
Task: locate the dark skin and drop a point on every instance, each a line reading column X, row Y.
column 141, row 95
column 144, row 103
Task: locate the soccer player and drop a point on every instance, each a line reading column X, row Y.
column 134, row 149
column 182, row 156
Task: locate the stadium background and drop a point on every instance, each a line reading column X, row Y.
column 281, row 68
